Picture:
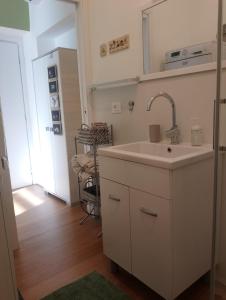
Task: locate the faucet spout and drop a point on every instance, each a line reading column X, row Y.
column 173, row 132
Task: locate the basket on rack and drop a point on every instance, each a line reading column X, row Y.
column 89, row 191
column 98, row 134
column 88, row 197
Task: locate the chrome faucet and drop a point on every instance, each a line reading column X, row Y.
column 173, row 133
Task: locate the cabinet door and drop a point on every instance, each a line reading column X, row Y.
column 150, row 239
column 44, row 124
column 116, row 223
column 59, row 148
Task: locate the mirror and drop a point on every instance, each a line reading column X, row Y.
column 178, row 34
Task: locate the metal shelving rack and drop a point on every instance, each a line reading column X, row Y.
column 89, row 192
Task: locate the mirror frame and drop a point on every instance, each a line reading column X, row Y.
column 145, row 12
column 170, row 73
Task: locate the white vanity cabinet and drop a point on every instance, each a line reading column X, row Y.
column 161, row 231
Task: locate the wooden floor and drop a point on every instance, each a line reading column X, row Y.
column 55, row 250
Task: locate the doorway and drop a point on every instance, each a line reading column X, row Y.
column 14, row 115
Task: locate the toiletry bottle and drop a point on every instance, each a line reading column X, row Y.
column 196, row 135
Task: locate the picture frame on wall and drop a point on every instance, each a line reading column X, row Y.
column 52, row 72
column 56, row 115
column 53, row 87
column 57, row 129
column 54, row 101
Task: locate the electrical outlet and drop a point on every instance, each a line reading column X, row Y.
column 116, row 108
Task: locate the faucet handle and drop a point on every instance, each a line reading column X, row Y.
column 173, row 134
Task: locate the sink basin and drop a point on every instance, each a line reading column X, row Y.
column 158, row 154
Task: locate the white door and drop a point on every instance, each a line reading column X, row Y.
column 13, row 109
column 8, row 236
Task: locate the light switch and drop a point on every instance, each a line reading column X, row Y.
column 116, row 108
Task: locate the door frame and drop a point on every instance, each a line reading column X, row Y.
column 9, row 251
column 16, row 37
column 217, row 158
column 10, row 240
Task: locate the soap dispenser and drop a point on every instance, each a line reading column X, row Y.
column 196, row 134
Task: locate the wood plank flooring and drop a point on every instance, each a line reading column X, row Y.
column 56, row 250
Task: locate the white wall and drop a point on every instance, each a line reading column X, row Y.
column 67, row 39
column 111, row 19
column 53, row 39
column 58, row 25
column 48, row 13
column 193, row 95
column 44, row 45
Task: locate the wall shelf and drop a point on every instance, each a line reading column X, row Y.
column 114, row 84
column 154, row 76
column 182, row 71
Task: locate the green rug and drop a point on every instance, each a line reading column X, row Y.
column 91, row 287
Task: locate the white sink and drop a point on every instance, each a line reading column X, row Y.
column 158, row 154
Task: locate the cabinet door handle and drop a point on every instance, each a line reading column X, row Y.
column 148, row 212
column 111, row 197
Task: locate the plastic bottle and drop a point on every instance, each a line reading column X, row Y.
column 196, row 135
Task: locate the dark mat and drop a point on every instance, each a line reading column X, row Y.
column 91, row 287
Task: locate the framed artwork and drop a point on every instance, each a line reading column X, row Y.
column 119, row 44
column 56, row 116
column 53, row 87
column 52, row 72
column 57, row 129
column 54, row 101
